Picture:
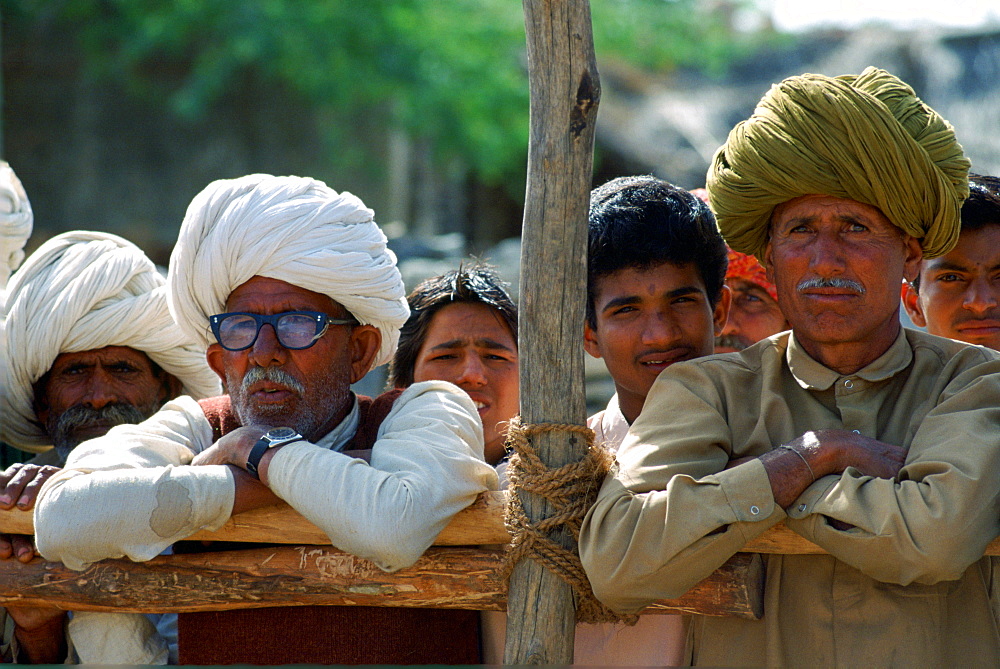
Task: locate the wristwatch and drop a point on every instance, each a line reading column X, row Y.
column 278, row 436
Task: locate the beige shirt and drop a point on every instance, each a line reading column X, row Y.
column 133, row 492
column 905, row 586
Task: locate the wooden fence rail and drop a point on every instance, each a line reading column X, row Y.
column 460, row 572
column 481, row 524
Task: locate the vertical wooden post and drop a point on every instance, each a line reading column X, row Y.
column 565, row 91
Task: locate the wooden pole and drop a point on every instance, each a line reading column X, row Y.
column 565, row 90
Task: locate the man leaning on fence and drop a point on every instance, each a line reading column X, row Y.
column 876, row 443
column 296, row 284
column 76, row 366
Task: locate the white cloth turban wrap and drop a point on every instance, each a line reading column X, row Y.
column 15, row 222
column 81, row 291
column 294, row 229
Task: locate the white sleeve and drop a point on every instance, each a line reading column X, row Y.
column 132, row 492
column 426, row 466
column 116, row 638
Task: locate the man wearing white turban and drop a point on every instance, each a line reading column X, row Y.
column 16, row 221
column 77, row 364
column 303, row 298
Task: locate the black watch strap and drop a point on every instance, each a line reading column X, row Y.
column 270, row 439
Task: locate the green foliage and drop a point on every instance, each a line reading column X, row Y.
column 449, row 71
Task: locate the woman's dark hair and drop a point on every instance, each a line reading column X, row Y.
column 475, row 284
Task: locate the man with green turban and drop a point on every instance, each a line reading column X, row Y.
column 877, row 444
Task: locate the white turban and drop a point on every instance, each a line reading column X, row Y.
column 293, row 229
column 81, row 291
column 15, row 222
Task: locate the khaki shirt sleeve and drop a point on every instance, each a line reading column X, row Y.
column 671, row 514
column 937, row 516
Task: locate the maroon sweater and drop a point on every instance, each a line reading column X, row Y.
column 326, row 634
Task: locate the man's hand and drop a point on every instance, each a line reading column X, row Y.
column 20, row 483
column 794, row 466
column 233, row 449
column 833, row 451
column 19, row 486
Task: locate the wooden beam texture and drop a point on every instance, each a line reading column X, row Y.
column 479, row 525
column 454, row 578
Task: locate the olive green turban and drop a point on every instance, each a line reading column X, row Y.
column 865, row 137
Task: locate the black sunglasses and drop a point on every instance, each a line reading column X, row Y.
column 295, row 330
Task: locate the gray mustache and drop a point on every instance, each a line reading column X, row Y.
column 831, row 283
column 273, row 374
column 63, row 430
column 730, row 341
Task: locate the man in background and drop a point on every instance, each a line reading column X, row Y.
column 754, row 313
column 90, row 345
column 463, row 329
column 656, row 296
column 16, row 221
column 957, row 295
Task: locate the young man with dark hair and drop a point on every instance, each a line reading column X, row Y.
column 655, row 296
column 463, row 329
column 957, row 295
column 655, row 283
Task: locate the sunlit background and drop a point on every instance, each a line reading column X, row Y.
column 117, row 112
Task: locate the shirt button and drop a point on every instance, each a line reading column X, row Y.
column 848, row 384
column 754, row 510
column 802, row 507
column 856, row 431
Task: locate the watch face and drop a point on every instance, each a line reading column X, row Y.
column 281, row 433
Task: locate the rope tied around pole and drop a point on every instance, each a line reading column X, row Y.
column 570, row 490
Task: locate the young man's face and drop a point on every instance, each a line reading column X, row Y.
column 471, row 346
column 960, row 291
column 648, row 319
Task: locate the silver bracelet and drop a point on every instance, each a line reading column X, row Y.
column 803, row 458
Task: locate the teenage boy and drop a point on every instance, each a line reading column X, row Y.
column 655, row 296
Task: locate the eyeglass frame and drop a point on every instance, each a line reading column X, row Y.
column 323, row 323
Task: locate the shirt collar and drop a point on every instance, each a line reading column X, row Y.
column 337, row 438
column 613, row 421
column 812, row 375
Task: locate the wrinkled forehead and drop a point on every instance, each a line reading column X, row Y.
column 106, row 355
column 266, row 295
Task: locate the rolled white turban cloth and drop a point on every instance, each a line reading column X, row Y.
column 15, row 222
column 294, row 229
column 81, row 291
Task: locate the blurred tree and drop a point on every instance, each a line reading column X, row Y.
column 449, row 72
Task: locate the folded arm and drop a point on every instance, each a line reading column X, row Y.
column 935, row 518
column 426, row 466
column 129, row 493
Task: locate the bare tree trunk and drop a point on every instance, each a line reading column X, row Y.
column 565, row 91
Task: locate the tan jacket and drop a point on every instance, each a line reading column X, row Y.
column 905, row 586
